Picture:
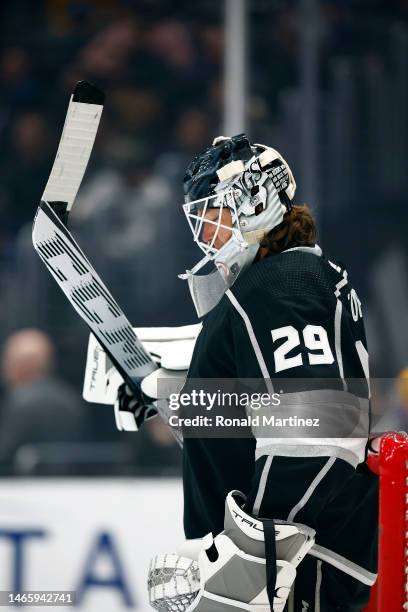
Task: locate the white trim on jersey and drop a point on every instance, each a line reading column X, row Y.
column 315, row 250
column 351, row 450
column 311, row 489
column 262, row 486
column 345, row 565
column 318, row 586
column 342, row 283
column 252, row 337
column 363, row 355
column 337, row 341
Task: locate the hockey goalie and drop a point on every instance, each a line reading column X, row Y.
column 271, row 522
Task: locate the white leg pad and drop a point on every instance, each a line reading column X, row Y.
column 228, row 573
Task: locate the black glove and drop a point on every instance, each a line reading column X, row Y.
column 132, row 409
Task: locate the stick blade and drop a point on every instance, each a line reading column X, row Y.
column 75, row 147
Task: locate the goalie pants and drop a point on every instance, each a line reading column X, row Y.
column 341, row 504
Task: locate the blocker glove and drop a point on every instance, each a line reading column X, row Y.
column 132, row 409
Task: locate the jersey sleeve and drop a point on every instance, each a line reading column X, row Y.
column 213, row 465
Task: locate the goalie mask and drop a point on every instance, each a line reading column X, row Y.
column 235, row 193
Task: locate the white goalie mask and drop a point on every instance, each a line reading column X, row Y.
column 249, row 200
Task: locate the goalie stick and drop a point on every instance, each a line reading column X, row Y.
column 64, row 259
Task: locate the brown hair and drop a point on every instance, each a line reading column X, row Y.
column 298, row 228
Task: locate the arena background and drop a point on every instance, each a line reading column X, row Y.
column 82, row 506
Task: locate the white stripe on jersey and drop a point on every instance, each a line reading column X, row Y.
column 262, row 486
column 337, row 341
column 252, row 337
column 311, row 488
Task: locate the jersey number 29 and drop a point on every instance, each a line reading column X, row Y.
column 315, row 339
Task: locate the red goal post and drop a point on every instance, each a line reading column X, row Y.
column 390, row 594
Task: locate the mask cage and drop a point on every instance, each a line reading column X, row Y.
column 195, row 213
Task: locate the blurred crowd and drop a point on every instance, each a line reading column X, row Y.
column 161, row 66
column 45, row 427
column 162, row 81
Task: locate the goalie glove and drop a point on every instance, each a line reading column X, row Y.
column 132, row 410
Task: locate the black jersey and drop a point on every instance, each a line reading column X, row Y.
column 294, row 319
column 292, row 316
